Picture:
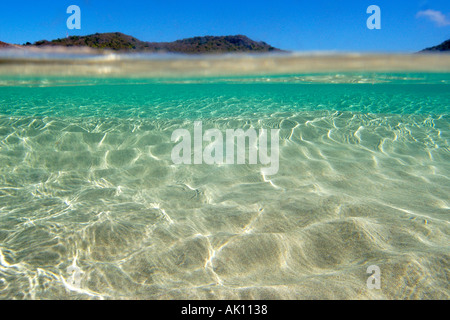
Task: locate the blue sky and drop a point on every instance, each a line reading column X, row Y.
column 406, row 26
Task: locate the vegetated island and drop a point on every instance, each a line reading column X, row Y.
column 207, row 44
column 444, row 46
column 121, row 42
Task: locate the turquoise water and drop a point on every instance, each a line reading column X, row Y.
column 87, row 180
column 224, row 97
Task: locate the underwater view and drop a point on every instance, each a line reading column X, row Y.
column 99, row 199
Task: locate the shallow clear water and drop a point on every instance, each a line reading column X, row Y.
column 87, row 180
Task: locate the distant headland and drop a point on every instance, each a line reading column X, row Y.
column 121, row 42
column 444, row 46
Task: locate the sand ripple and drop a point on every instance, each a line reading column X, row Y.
column 353, row 190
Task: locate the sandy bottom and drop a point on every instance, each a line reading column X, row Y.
column 103, row 196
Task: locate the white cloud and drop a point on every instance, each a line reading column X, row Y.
column 436, row 16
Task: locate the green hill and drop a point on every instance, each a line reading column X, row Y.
column 122, row 42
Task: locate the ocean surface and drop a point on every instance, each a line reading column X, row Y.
column 92, row 205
